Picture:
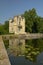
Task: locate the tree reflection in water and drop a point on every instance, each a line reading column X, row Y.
column 30, row 49
column 33, row 48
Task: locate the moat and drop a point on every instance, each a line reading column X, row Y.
column 25, row 52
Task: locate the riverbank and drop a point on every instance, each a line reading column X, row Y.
column 4, row 60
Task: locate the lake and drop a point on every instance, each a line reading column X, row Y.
column 25, row 52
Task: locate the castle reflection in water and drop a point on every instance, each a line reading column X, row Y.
column 17, row 46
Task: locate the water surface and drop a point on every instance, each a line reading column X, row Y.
column 25, row 52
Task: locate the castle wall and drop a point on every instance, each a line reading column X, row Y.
column 17, row 25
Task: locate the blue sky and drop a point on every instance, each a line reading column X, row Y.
column 10, row 8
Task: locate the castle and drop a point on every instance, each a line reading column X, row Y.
column 17, row 25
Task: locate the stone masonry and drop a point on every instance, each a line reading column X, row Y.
column 4, row 60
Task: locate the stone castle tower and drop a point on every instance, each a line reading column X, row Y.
column 17, row 25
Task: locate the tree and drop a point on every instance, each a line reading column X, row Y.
column 34, row 23
column 30, row 18
column 6, row 26
column 1, row 29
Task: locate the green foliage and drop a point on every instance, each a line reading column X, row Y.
column 6, row 26
column 29, row 18
column 4, row 29
column 40, row 25
column 34, row 23
column 1, row 29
